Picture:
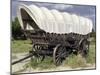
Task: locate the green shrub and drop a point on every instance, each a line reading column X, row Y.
column 76, row 61
column 16, row 29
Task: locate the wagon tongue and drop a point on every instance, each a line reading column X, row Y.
column 22, row 59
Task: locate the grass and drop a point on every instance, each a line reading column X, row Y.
column 75, row 61
column 20, row 46
column 47, row 63
column 14, row 57
column 78, row 61
column 91, row 57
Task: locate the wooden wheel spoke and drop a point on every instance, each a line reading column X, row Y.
column 58, row 61
column 63, row 54
column 59, row 54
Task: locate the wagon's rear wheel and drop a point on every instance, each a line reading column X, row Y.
column 85, row 48
column 59, row 54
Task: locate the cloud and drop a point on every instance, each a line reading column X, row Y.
column 54, row 6
column 62, row 6
column 89, row 16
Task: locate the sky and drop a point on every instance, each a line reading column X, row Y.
column 82, row 10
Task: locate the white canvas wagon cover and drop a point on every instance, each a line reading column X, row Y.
column 53, row 21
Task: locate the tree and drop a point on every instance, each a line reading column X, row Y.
column 16, row 29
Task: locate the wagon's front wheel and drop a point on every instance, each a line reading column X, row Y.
column 59, row 54
column 36, row 56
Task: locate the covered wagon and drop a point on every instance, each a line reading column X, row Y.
column 54, row 33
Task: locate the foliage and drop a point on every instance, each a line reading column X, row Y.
column 76, row 61
column 93, row 34
column 91, row 57
column 42, row 65
column 16, row 29
column 20, row 46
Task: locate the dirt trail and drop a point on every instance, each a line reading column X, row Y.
column 21, row 68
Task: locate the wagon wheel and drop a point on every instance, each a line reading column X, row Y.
column 37, row 57
column 85, row 48
column 59, row 54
